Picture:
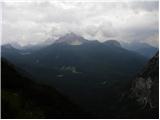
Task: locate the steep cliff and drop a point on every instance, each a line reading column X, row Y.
column 145, row 86
column 142, row 99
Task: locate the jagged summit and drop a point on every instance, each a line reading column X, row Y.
column 112, row 43
column 71, row 39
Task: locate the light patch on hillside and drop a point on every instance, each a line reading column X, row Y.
column 75, row 42
column 70, row 69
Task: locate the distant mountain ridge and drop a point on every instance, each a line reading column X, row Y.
column 141, row 48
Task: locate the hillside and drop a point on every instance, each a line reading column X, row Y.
column 142, row 100
column 23, row 98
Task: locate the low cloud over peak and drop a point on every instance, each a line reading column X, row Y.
column 35, row 22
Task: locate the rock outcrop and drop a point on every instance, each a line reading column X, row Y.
column 141, row 100
column 146, row 85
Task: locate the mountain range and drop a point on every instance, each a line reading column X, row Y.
column 92, row 74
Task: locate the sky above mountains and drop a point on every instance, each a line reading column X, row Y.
column 32, row 22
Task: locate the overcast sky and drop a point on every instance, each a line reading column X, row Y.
column 35, row 22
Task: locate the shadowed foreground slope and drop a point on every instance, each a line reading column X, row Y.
column 23, row 98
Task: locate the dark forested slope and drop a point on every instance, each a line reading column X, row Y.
column 23, row 98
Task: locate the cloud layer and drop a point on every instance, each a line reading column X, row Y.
column 36, row 22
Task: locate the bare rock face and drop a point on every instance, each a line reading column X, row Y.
column 71, row 39
column 141, row 100
column 145, row 87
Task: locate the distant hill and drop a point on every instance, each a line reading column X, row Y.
column 141, row 48
column 23, row 98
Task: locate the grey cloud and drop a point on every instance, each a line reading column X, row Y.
column 145, row 5
column 35, row 22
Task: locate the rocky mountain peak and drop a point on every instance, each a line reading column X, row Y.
column 112, row 43
column 71, row 39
